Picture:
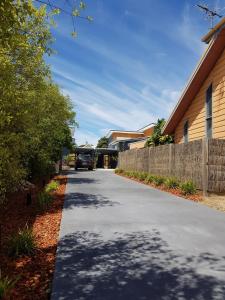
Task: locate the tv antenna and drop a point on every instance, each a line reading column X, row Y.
column 210, row 14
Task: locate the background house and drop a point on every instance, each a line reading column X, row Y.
column 200, row 111
column 124, row 140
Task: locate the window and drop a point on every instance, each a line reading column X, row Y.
column 186, row 132
column 209, row 112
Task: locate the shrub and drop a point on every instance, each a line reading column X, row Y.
column 51, row 186
column 22, row 243
column 149, row 178
column 172, row 183
column 158, row 180
column 6, row 285
column 135, row 174
column 119, row 171
column 188, row 188
column 44, row 200
column 142, row 176
column 127, row 173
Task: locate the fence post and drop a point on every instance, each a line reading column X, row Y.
column 171, row 158
column 205, row 155
column 149, row 160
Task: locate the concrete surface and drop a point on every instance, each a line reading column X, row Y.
column 122, row 240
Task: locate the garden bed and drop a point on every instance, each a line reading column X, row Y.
column 33, row 273
column 195, row 196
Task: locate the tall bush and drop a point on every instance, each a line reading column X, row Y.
column 34, row 114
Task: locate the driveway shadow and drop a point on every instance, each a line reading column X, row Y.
column 84, row 200
column 135, row 266
column 83, row 180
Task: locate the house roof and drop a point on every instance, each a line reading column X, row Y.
column 205, row 65
column 129, row 140
column 206, row 38
column 122, row 131
column 146, row 127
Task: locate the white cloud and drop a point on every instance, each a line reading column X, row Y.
column 83, row 136
column 188, row 32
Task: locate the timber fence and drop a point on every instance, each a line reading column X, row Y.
column 202, row 161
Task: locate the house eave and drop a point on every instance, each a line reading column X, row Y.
column 205, row 65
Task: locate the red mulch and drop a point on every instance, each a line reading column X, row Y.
column 196, row 197
column 34, row 273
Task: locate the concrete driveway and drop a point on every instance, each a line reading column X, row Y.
column 122, row 240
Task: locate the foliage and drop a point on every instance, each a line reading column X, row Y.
column 73, row 9
column 188, row 188
column 149, row 178
column 44, row 200
column 70, row 160
column 119, row 171
column 103, row 142
column 172, row 183
column 22, row 243
column 142, row 176
column 34, row 114
column 158, row 180
column 51, row 186
column 6, row 285
column 157, row 138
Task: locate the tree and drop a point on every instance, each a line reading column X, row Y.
column 157, row 138
column 103, row 142
column 34, row 114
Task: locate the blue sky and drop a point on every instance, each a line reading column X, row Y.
column 128, row 67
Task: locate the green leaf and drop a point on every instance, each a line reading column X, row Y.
column 82, row 5
column 56, row 11
column 74, row 34
column 89, row 18
column 76, row 13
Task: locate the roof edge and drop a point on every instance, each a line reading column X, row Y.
column 189, row 82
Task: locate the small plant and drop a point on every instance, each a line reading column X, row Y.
column 51, row 186
column 127, row 173
column 172, row 183
column 6, row 285
column 188, row 188
column 119, row 171
column 44, row 200
column 135, row 175
column 142, row 176
column 158, row 180
column 22, row 243
column 149, row 178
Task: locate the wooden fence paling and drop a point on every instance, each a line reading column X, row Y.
column 202, row 161
column 205, row 153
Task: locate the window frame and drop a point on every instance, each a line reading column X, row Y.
column 208, row 109
column 185, row 132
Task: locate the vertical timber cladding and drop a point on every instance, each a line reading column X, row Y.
column 216, row 165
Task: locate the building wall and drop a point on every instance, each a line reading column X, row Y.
column 125, row 135
column 148, row 131
column 196, row 113
column 138, row 145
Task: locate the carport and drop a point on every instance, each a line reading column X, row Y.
column 104, row 157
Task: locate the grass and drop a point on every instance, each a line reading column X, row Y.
column 51, row 186
column 6, row 285
column 22, row 243
column 44, row 200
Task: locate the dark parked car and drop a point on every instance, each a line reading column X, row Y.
column 84, row 161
